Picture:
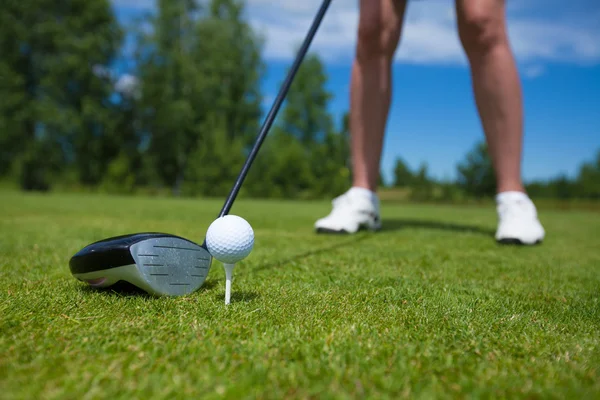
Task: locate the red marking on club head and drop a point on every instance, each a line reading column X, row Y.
column 96, row 282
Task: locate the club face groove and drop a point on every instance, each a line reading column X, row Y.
column 175, row 267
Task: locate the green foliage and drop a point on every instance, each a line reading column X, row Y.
column 449, row 192
column 35, row 166
column 586, row 185
column 15, row 108
column 171, row 87
column 304, row 157
column 588, row 181
column 422, row 185
column 329, row 161
column 281, row 170
column 306, row 116
column 215, row 162
column 50, row 52
column 119, row 177
column 403, row 176
column 476, row 173
column 188, row 80
column 229, row 55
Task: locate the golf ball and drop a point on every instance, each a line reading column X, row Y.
column 230, row 239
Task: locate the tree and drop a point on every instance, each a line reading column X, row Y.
column 50, row 49
column 215, row 162
column 89, row 36
column 305, row 115
column 171, row 98
column 344, row 134
column 16, row 119
column 229, row 54
column 476, row 174
column 422, row 185
column 588, row 179
column 403, row 176
column 307, row 156
column 197, row 66
column 129, row 168
column 562, row 187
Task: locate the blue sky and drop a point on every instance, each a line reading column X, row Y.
column 433, row 117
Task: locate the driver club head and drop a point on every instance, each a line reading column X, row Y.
column 158, row 263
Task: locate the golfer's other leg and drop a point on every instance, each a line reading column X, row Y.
column 378, row 35
column 496, row 86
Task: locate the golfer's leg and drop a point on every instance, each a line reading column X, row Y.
column 482, row 30
column 379, row 29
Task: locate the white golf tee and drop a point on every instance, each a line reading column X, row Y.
column 228, row 276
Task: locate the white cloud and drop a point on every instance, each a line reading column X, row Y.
column 268, row 100
column 127, row 85
column 533, row 71
column 429, row 35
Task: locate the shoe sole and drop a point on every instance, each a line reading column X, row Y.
column 506, row 241
column 332, row 231
column 362, row 227
column 517, row 242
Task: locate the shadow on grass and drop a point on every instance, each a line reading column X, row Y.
column 352, row 241
column 396, row 224
column 238, row 296
column 392, row 224
column 126, row 289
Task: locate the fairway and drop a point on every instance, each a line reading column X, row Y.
column 429, row 307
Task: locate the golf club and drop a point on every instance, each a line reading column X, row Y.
column 162, row 263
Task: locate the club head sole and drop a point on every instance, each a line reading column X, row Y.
column 160, row 264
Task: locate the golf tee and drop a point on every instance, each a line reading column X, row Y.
column 228, row 275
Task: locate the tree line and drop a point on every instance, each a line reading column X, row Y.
column 188, row 120
column 186, row 124
column 476, row 179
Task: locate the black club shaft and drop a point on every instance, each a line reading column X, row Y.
column 275, row 107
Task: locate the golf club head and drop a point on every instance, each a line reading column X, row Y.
column 158, row 263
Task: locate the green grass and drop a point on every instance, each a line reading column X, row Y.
column 429, row 307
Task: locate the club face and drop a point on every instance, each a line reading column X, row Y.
column 159, row 263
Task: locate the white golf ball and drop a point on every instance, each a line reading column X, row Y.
column 230, row 239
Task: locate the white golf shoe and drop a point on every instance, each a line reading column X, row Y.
column 518, row 222
column 354, row 210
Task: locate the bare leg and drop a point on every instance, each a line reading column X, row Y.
column 380, row 25
column 496, row 86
